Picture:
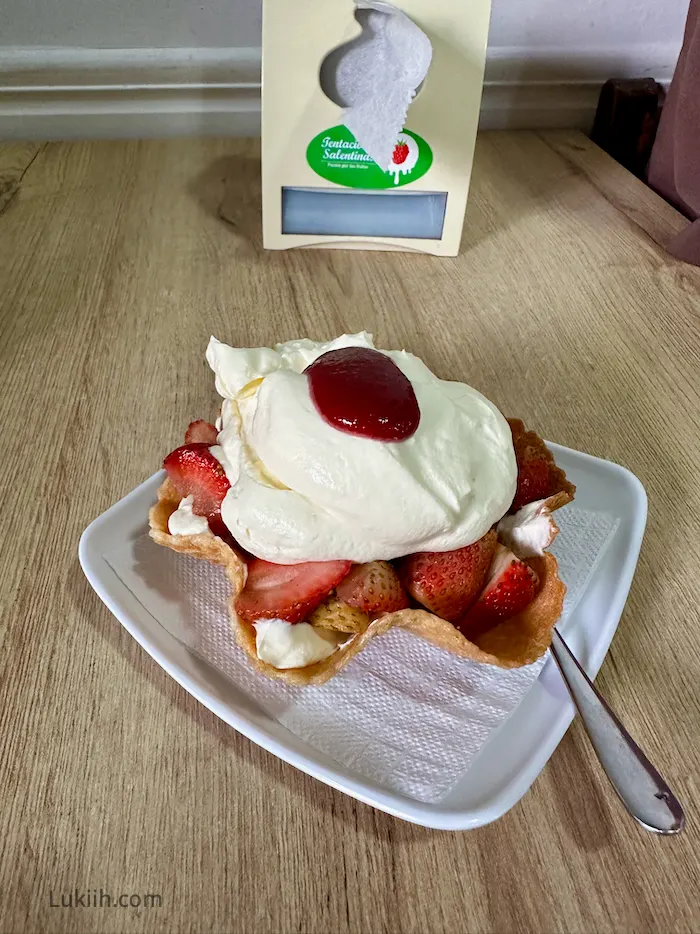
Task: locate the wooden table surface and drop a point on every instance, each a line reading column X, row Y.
column 117, row 261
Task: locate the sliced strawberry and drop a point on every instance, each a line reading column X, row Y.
column 287, row 591
column 201, row 432
column 194, row 471
column 448, row 582
column 373, row 587
column 512, row 584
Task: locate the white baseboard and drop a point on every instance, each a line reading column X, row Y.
column 128, row 93
column 124, row 93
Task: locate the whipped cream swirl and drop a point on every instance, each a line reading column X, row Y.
column 303, row 491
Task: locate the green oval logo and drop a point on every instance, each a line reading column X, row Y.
column 336, row 156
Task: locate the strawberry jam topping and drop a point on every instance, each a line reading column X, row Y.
column 363, row 392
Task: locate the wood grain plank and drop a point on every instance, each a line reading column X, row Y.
column 640, row 205
column 15, row 160
column 116, row 264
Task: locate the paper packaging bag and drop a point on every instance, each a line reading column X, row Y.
column 403, row 713
column 674, row 168
column 375, row 78
column 338, row 76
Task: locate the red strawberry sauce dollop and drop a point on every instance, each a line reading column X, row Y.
column 362, row 392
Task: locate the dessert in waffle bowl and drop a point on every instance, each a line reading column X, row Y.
column 346, row 490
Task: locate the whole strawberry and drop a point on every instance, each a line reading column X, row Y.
column 400, row 153
column 374, row 588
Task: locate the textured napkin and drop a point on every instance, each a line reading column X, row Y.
column 402, row 713
column 377, row 75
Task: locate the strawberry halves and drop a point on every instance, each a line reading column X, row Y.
column 511, row 586
column 448, row 582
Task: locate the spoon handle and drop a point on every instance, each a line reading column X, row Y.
column 643, row 791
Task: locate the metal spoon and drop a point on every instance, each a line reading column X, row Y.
column 643, row 791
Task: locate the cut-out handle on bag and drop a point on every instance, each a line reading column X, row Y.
column 352, row 72
column 331, row 64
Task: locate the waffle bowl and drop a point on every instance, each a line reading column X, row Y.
column 518, row 641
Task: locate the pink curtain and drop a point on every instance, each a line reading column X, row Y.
column 674, row 167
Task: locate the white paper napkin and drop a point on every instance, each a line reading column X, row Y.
column 377, row 77
column 403, row 712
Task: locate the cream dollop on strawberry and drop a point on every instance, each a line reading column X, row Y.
column 530, row 531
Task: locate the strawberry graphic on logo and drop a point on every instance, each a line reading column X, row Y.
column 404, row 156
column 400, row 153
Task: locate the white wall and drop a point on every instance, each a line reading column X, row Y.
column 126, row 24
column 576, row 24
column 84, row 68
column 531, row 24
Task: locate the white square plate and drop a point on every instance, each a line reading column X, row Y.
column 515, row 754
